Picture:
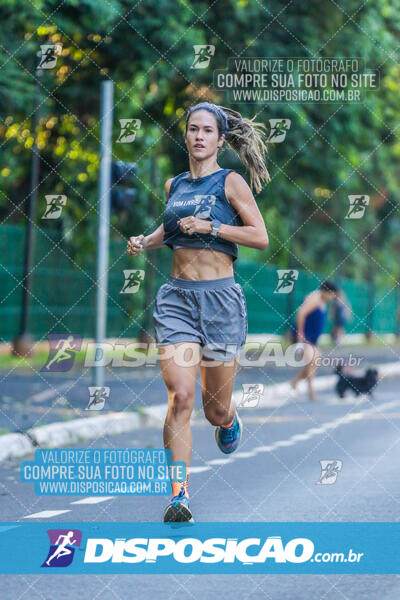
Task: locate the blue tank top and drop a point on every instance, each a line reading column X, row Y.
column 202, row 197
column 314, row 325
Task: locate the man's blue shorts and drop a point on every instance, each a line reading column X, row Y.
column 211, row 312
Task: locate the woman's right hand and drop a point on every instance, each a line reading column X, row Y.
column 135, row 245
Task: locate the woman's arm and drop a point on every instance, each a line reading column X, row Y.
column 155, row 239
column 253, row 232
column 137, row 244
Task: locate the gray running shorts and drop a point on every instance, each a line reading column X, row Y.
column 211, row 312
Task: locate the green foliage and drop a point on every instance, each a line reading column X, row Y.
column 331, row 150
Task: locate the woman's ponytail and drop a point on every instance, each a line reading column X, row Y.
column 248, row 139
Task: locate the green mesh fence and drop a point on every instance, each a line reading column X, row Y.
column 63, row 292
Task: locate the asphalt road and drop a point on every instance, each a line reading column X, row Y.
column 31, row 398
column 272, row 477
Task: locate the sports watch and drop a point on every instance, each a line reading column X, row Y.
column 215, row 227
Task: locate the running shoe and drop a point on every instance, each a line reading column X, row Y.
column 228, row 438
column 178, row 509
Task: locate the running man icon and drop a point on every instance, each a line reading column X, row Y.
column 62, row 352
column 286, row 280
column 49, row 55
column 129, row 129
column 358, row 204
column 203, row 55
column 279, row 129
column 62, row 549
column 329, row 471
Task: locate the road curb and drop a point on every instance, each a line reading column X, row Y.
column 64, row 433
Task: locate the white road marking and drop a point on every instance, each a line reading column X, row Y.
column 46, row 514
column 289, row 442
column 299, row 437
column 219, row 461
column 199, row 469
column 315, row 430
column 263, row 449
column 245, row 454
column 93, row 500
column 46, row 394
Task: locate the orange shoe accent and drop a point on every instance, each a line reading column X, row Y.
column 177, row 485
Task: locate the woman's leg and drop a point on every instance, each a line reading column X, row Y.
column 312, row 368
column 180, row 380
column 302, row 374
column 217, row 387
column 305, row 371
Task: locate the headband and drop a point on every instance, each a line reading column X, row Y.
column 218, row 112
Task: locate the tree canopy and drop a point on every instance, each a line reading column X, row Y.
column 146, row 48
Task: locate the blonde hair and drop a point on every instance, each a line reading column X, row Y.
column 246, row 137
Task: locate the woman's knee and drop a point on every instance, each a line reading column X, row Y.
column 181, row 402
column 216, row 415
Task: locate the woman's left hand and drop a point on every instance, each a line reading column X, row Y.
column 192, row 225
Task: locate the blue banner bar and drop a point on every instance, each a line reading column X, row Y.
column 245, row 548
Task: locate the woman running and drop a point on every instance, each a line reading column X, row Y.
column 209, row 211
column 311, row 316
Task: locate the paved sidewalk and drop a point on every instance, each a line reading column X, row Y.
column 94, row 425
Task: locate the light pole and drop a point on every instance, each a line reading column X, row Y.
column 22, row 344
column 103, row 237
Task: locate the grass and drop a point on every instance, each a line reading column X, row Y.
column 40, row 357
column 36, row 362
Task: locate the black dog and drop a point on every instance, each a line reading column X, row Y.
column 359, row 385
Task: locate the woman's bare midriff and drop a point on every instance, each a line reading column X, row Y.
column 201, row 263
